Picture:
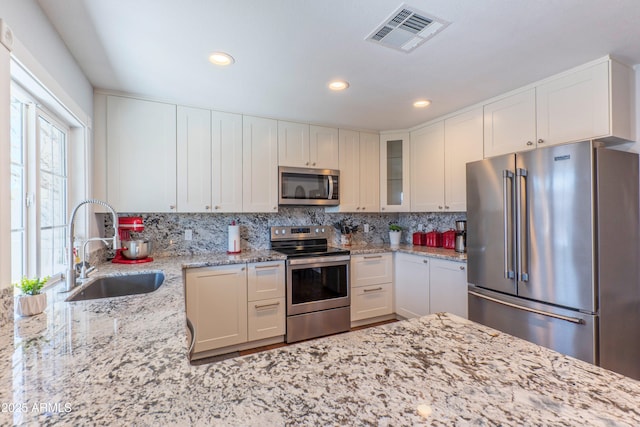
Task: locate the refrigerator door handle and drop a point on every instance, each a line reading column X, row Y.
column 522, row 238
column 575, row 320
column 508, row 238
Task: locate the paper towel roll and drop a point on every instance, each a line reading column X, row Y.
column 234, row 239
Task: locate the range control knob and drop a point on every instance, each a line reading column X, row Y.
column 317, row 230
column 277, row 231
column 284, row 231
column 323, row 230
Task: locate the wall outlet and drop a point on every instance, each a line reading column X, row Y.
column 420, row 227
column 188, row 234
column 366, row 228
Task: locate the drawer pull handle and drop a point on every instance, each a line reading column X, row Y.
column 373, row 257
column 425, row 261
column 274, row 304
column 268, row 266
column 372, row 290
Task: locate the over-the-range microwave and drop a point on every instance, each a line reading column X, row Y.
column 306, row 186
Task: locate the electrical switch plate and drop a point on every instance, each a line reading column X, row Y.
column 420, row 227
column 188, row 234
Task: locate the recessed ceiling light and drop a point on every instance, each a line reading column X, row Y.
column 422, row 103
column 221, row 58
column 338, row 85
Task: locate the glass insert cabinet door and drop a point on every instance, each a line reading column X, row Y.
column 394, row 172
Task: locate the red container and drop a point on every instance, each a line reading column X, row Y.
column 449, row 239
column 434, row 239
column 419, row 238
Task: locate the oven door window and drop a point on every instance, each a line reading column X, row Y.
column 314, row 284
column 304, row 186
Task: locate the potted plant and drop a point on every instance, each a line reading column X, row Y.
column 395, row 231
column 32, row 301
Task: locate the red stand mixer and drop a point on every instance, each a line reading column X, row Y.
column 131, row 251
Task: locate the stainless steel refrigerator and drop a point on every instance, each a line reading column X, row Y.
column 552, row 246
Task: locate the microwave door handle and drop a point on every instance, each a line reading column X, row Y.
column 330, row 179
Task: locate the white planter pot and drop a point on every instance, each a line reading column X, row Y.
column 28, row 305
column 394, row 237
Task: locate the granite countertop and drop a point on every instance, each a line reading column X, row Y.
column 442, row 253
column 124, row 361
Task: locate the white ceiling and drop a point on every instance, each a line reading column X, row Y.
column 286, row 52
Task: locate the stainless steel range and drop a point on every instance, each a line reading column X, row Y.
column 318, row 289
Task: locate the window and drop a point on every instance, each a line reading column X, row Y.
column 39, row 187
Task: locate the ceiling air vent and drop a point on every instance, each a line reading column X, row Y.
column 406, row 29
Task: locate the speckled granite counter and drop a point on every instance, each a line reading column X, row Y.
column 122, row 361
column 449, row 254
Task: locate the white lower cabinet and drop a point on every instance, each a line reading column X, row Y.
column 371, row 287
column 411, row 285
column 235, row 307
column 266, row 300
column 429, row 285
column 448, row 290
column 216, row 299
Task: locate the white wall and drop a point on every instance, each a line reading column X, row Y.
column 38, row 47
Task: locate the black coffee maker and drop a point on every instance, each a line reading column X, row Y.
column 461, row 235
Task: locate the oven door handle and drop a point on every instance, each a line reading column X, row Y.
column 318, row 261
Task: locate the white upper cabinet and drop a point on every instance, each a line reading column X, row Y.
column 323, row 147
column 293, row 144
column 439, row 154
column 226, row 162
column 260, row 164
column 462, row 144
column 369, row 172
column 301, row 145
column 510, row 124
column 193, row 159
column 427, row 168
column 359, row 157
column 590, row 102
column 141, row 155
column 394, row 173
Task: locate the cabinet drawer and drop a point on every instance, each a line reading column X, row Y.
column 371, row 269
column 266, row 318
column 265, row 280
column 371, row 301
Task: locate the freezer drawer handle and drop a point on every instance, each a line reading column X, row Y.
column 531, row 310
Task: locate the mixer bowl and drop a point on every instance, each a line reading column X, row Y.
column 136, row 249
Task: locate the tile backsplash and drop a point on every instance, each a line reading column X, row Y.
column 167, row 230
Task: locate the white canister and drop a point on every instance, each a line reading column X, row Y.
column 234, row 239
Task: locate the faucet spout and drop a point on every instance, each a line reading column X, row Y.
column 71, row 271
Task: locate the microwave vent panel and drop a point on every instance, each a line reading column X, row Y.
column 406, row 29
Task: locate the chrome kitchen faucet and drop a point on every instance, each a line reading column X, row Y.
column 71, row 270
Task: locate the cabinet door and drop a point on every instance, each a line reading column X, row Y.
column 411, row 285
column 369, row 172
column 510, row 124
column 226, row 162
column 574, row 107
column 427, row 169
column 349, row 165
column 371, row 301
column 216, row 299
column 394, row 173
column 371, row 269
column 266, row 318
column 323, row 147
column 141, row 155
column 293, row 144
column 462, row 144
column 259, row 164
column 265, row 280
column 448, row 291
column 194, row 159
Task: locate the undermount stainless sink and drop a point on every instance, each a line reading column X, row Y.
column 119, row 286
